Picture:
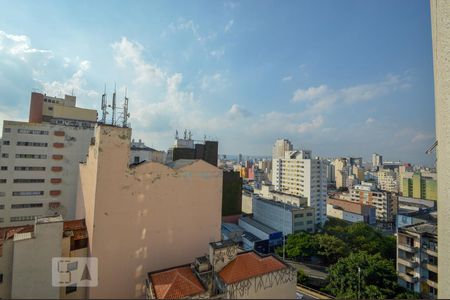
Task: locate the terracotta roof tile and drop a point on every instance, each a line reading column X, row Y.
column 176, row 283
column 248, row 265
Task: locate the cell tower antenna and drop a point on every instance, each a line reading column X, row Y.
column 104, row 106
column 190, row 135
column 185, row 134
column 126, row 114
column 113, row 120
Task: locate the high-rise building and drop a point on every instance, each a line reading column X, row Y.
column 417, row 259
column 419, row 186
column 298, row 173
column 280, row 147
column 387, row 180
column 440, row 10
column 385, row 202
column 377, row 160
column 139, row 217
column 341, row 172
column 39, row 160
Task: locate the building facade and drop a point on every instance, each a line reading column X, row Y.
column 26, row 254
column 39, row 160
column 420, row 187
column 417, row 259
column 377, row 160
column 298, row 173
column 440, row 12
column 387, row 181
column 144, row 214
column 140, row 153
column 280, row 147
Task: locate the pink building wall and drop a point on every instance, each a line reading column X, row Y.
column 146, row 218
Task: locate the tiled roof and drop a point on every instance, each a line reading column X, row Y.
column 8, row 232
column 176, row 283
column 78, row 227
column 248, row 265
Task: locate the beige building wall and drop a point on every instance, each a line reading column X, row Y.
column 440, row 24
column 247, row 203
column 265, row 286
column 32, row 262
column 146, row 218
column 6, row 258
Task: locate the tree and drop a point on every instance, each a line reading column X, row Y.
column 330, row 248
column 378, row 278
column 302, row 278
column 300, row 245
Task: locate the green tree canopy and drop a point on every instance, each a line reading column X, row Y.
column 330, row 248
column 301, row 245
column 378, row 278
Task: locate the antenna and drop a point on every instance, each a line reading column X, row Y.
column 185, row 134
column 113, row 120
column 104, row 106
column 176, row 134
column 190, row 135
column 126, row 114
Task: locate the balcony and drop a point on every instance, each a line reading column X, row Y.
column 407, row 262
column 431, row 267
column 430, row 282
column 407, row 248
column 432, row 252
column 408, row 277
column 55, row 193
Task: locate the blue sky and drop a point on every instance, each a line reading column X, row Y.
column 337, row 77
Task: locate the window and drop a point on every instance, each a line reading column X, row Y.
column 1, row 278
column 5, row 155
column 6, row 130
column 29, row 131
column 433, row 291
column 28, row 193
column 22, row 218
column 136, row 159
column 29, row 168
column 32, row 144
column 72, row 266
column 2, row 180
column 26, row 205
column 5, row 143
column 71, row 289
column 309, row 222
column 2, row 194
column 33, row 156
column 309, row 214
column 29, row 180
column 4, row 168
column 2, row 206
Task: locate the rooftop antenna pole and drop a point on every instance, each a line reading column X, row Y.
column 104, row 106
column 113, row 121
column 126, row 114
column 176, row 134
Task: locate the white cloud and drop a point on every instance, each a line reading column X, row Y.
column 229, row 25
column 213, row 82
column 217, row 53
column 309, row 94
column 236, row 112
column 422, row 136
column 130, row 53
column 189, row 25
column 308, row 126
column 287, row 78
column 20, row 46
column 370, row 120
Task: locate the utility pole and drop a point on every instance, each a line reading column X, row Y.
column 359, row 283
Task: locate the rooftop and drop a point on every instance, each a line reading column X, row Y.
column 422, row 228
column 176, row 283
column 248, row 265
column 266, row 229
column 283, row 205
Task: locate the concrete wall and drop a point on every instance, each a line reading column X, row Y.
column 440, row 24
column 6, row 269
column 32, row 263
column 265, row 287
column 146, row 218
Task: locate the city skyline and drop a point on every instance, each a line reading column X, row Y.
column 340, row 79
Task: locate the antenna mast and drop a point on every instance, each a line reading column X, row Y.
column 104, row 106
column 126, row 114
column 113, row 120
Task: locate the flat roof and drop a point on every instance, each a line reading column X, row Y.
column 258, row 225
column 279, row 204
column 421, row 228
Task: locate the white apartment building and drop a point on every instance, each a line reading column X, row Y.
column 377, row 160
column 384, row 202
column 300, row 174
column 281, row 146
column 387, row 181
column 39, row 160
column 140, row 153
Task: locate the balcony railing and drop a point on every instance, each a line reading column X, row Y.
column 407, row 262
column 407, row 248
column 408, row 277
